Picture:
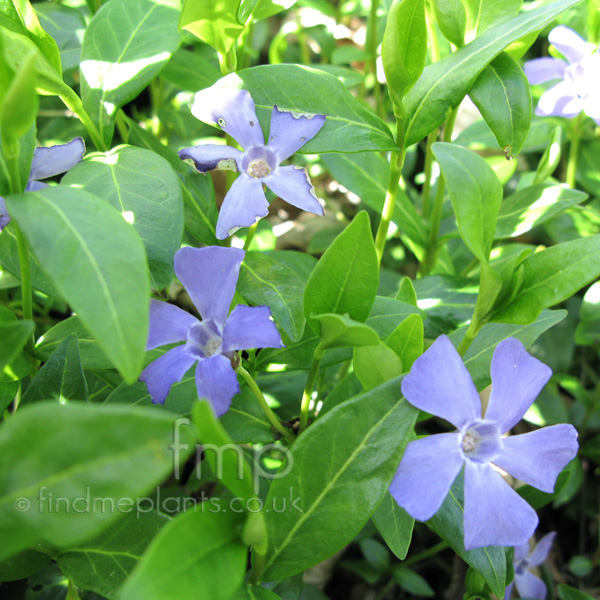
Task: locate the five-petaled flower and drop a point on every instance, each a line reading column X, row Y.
column 529, row 585
column 246, row 203
column 579, row 89
column 47, row 162
column 494, row 514
column 210, row 276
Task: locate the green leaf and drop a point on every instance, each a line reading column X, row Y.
column 88, row 456
column 551, row 157
column 445, row 83
column 476, row 195
column 14, row 336
column 349, row 124
column 245, row 422
column 406, row 292
column 23, row 565
column 198, row 555
column 339, row 331
column 267, row 8
column 532, row 206
column 356, row 446
column 482, row 14
column 255, row 592
column 143, row 187
column 566, row 592
column 86, row 247
column 190, row 71
column 102, row 564
column 407, row 340
column 412, row 582
column 266, row 281
column 501, row 93
column 490, row 561
column 395, row 525
column 551, row 276
column 215, row 23
column 61, row 379
column 375, row 364
column 451, row 18
column 346, row 277
column 125, row 45
column 404, row 48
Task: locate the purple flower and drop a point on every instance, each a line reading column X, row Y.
column 209, row 275
column 579, row 89
column 528, row 584
column 494, row 514
column 47, row 162
column 245, row 203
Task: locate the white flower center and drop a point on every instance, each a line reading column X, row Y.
column 469, row 443
column 258, row 169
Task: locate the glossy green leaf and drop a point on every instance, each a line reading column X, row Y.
column 532, row 206
column 375, row 364
column 267, row 8
column 566, row 592
column 451, row 18
column 198, row 555
column 476, row 195
column 346, row 277
column 412, row 582
column 501, row 93
column 551, row 276
column 490, row 561
column 85, row 246
column 13, row 336
column 103, row 563
column 404, row 48
column 255, row 592
column 406, row 292
column 445, row 83
column 90, row 457
column 245, row 422
column 125, row 45
column 143, row 187
column 357, row 446
column 349, row 124
column 339, row 331
column 483, row 14
column 395, row 525
column 190, row 71
column 266, row 281
column 23, row 565
column 551, row 157
column 61, row 379
column 407, row 340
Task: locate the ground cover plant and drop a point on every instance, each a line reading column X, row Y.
column 299, row 299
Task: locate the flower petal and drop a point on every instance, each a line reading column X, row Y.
column 428, row 468
column 591, row 106
column 540, row 70
column 559, row 101
column 290, row 131
column 250, row 327
column 569, row 44
column 293, row 185
column 212, row 156
column 244, row 205
column 53, row 160
column 541, row 551
column 168, row 324
column 508, row 591
column 233, row 110
column 162, row 373
column 517, row 379
column 495, row 515
column 216, row 380
column 538, row 457
column 4, row 216
column 530, row 586
column 34, row 186
column 440, row 384
column 210, row 276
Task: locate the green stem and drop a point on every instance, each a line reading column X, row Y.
column 74, row 104
column 574, row 150
column 258, row 565
column 425, row 554
column 250, row 235
column 470, row 335
column 431, row 138
column 438, row 203
column 308, row 390
column 263, row 404
column 371, row 64
column 396, row 164
column 434, row 43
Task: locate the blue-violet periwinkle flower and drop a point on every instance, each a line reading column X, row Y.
column 210, row 276
column 246, row 203
column 494, row 514
column 529, row 585
column 47, row 162
column 579, row 89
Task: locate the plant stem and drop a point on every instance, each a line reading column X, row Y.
column 308, row 390
column 425, row 554
column 263, row 404
column 438, row 204
column 470, row 335
column 574, row 150
column 396, row 164
column 74, row 104
column 371, row 64
column 250, row 235
column 431, row 138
